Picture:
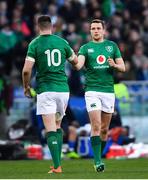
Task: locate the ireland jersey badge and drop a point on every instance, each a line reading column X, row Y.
column 109, row 48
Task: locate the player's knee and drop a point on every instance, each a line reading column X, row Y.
column 104, row 131
column 96, row 128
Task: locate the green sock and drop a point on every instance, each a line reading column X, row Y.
column 53, row 147
column 96, row 146
column 60, row 142
column 103, row 143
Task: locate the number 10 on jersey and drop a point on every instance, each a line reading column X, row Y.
column 51, row 57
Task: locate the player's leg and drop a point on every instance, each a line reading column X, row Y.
column 51, row 135
column 46, row 106
column 105, row 122
column 108, row 100
column 62, row 102
column 59, row 134
column 93, row 107
column 59, row 137
column 95, row 120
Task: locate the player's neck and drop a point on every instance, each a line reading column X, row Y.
column 45, row 32
column 98, row 40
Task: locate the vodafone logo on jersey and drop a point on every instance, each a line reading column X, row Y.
column 101, row 59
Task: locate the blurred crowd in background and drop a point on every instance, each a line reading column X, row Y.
column 126, row 24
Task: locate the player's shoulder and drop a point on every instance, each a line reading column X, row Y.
column 109, row 42
column 86, row 45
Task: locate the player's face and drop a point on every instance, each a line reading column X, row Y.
column 97, row 31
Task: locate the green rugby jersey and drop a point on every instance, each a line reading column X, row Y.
column 99, row 75
column 50, row 53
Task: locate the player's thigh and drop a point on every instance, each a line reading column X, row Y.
column 95, row 118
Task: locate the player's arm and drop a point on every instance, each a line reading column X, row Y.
column 73, row 59
column 81, row 61
column 77, row 62
column 117, row 64
column 26, row 75
column 81, row 58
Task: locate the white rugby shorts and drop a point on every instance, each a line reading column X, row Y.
column 52, row 103
column 100, row 101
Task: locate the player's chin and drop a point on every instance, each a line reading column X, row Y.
column 96, row 38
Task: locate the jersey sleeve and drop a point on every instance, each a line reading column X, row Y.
column 117, row 53
column 31, row 55
column 69, row 52
column 82, row 51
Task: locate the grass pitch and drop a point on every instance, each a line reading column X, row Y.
column 74, row 169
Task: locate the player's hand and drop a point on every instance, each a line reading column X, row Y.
column 111, row 62
column 27, row 92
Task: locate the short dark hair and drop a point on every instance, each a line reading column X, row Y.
column 98, row 21
column 44, row 21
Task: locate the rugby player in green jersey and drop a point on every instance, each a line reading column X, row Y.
column 49, row 53
column 100, row 58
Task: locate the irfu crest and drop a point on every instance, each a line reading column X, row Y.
column 109, row 48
